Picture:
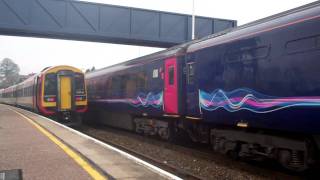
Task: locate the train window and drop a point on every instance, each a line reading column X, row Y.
column 50, row 84
column 190, row 70
column 109, row 87
column 124, row 79
column 171, row 75
column 141, row 80
column 247, row 54
column 302, row 45
column 30, row 90
column 131, row 86
column 79, row 84
column 116, row 86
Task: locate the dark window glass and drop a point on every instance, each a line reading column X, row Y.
column 302, row 45
column 116, row 86
column 116, row 83
column 109, row 88
column 171, row 75
column 124, row 79
column 141, row 80
column 50, row 84
column 247, row 54
column 190, row 73
column 79, row 84
column 131, row 85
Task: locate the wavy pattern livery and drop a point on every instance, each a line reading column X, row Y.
column 251, row 100
column 146, row 100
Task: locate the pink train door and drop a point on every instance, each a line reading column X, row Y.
column 170, row 86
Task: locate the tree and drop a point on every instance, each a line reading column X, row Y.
column 90, row 70
column 9, row 73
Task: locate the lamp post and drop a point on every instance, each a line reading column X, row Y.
column 193, row 22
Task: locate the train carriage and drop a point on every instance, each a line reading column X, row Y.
column 136, row 88
column 8, row 95
column 61, row 90
column 252, row 91
column 56, row 91
column 263, row 78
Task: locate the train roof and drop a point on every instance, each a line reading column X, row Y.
column 215, row 39
column 173, row 51
column 280, row 20
column 46, row 70
column 60, row 67
column 10, row 89
column 50, row 69
column 28, row 81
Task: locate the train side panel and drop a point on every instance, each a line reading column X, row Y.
column 268, row 80
column 1, row 95
column 136, row 90
column 25, row 94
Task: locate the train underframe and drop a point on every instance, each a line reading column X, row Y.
column 296, row 153
column 66, row 117
column 69, row 118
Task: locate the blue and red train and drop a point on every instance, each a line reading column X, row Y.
column 252, row 91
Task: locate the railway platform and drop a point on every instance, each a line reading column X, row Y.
column 35, row 147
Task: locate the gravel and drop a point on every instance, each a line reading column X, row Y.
column 216, row 167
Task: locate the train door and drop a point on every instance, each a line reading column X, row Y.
column 192, row 91
column 171, row 86
column 65, row 92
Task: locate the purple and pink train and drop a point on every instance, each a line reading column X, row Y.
column 252, row 91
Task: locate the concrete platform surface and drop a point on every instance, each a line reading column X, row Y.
column 20, row 144
column 24, row 147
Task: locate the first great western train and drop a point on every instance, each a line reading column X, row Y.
column 252, row 91
column 57, row 91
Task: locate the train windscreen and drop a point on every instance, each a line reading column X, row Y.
column 79, row 87
column 50, row 87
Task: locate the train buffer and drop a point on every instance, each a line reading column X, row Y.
column 34, row 147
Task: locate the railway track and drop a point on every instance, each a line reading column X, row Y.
column 186, row 162
column 163, row 165
column 225, row 168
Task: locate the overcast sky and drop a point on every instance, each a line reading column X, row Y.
column 33, row 54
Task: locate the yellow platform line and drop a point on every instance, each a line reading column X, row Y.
column 77, row 158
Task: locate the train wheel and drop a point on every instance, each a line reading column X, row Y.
column 292, row 160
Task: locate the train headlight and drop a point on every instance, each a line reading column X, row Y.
column 50, row 99
column 80, row 98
